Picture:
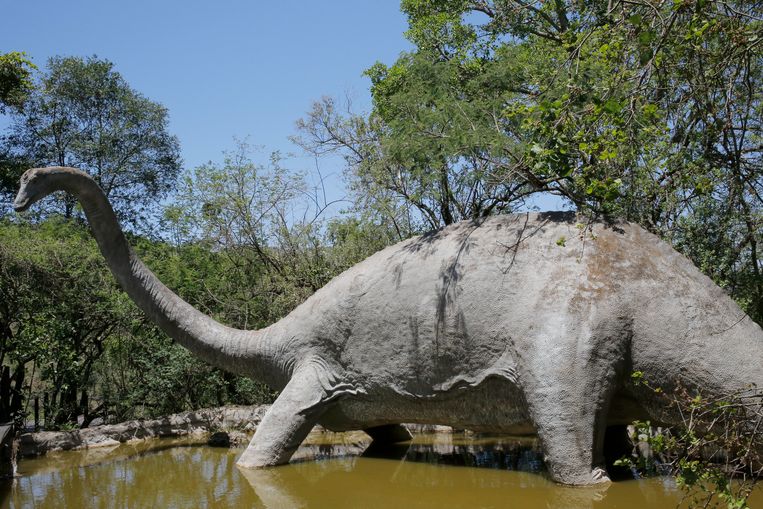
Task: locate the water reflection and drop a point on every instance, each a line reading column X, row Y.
column 524, row 456
column 379, row 483
column 330, row 471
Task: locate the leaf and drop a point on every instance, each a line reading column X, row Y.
column 646, row 37
column 612, row 106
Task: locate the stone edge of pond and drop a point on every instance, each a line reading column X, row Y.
column 196, row 422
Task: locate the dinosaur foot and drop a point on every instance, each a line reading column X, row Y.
column 599, row 476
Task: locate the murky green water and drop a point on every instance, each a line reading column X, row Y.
column 336, row 471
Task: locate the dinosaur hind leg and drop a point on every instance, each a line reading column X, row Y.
column 568, row 399
column 287, row 422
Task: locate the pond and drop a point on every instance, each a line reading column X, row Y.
column 332, row 470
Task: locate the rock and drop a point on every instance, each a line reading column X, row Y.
column 106, row 442
column 98, row 421
column 196, row 422
column 238, row 438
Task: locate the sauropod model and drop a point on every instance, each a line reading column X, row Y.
column 519, row 323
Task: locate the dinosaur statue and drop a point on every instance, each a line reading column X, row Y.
column 528, row 323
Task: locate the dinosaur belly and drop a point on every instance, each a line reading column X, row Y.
column 494, row 405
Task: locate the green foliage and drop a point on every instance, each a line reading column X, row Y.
column 715, row 455
column 649, row 112
column 243, row 251
column 351, row 240
column 245, row 211
column 15, row 80
column 71, row 337
column 139, row 370
column 273, row 247
column 82, row 113
column 12, row 167
column 60, row 305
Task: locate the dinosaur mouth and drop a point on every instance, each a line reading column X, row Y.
column 21, row 204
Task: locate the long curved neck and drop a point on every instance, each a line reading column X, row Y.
column 251, row 353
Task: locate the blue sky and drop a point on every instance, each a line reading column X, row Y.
column 223, row 69
column 226, row 69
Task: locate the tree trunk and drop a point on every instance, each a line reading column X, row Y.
column 7, row 451
column 84, row 403
column 11, row 396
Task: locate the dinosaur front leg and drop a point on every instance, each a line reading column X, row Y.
column 569, row 449
column 569, row 399
column 287, row 422
column 571, row 422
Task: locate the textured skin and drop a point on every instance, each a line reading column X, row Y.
column 524, row 323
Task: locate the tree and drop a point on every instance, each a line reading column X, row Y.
column 716, row 454
column 399, row 183
column 59, row 306
column 70, row 336
column 647, row 111
column 84, row 114
column 15, row 86
column 15, row 80
column 248, row 250
column 253, row 215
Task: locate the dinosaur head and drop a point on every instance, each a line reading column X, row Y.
column 36, row 184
